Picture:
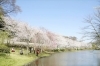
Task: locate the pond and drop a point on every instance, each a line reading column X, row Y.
column 77, row 58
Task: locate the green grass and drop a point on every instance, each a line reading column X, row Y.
column 43, row 55
column 15, row 59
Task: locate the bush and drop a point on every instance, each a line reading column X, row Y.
column 4, row 48
column 2, row 54
column 62, row 49
column 55, row 50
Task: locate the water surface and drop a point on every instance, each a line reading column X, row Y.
column 78, row 58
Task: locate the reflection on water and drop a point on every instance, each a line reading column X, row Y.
column 37, row 62
column 79, row 58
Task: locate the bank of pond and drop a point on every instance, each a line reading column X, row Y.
column 19, row 56
column 77, row 58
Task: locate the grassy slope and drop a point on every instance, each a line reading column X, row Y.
column 15, row 59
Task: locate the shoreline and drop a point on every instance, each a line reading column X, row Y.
column 15, row 59
column 52, row 54
column 38, row 57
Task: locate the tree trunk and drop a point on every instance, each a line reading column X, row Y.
column 27, row 47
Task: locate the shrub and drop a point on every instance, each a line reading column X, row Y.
column 55, row 50
column 4, row 48
column 62, row 49
column 2, row 54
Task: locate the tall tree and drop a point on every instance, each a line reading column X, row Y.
column 92, row 30
column 7, row 7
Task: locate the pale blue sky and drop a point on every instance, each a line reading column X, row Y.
column 64, row 17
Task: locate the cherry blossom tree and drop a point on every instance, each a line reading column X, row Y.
column 21, row 32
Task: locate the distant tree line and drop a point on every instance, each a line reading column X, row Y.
column 71, row 37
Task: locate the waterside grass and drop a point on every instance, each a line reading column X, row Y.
column 15, row 59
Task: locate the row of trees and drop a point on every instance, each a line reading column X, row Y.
column 21, row 32
column 7, row 7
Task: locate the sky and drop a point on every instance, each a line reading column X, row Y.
column 64, row 17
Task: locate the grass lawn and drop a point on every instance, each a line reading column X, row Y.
column 15, row 59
